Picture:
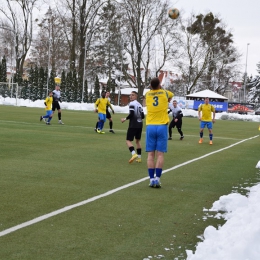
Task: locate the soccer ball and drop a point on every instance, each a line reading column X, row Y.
column 173, row 13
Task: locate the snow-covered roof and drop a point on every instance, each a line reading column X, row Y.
column 127, row 91
column 206, row 93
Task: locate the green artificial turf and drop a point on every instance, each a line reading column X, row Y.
column 46, row 168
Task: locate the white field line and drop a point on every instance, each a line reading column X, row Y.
column 67, row 208
column 56, row 125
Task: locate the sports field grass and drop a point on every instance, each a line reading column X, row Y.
column 46, row 168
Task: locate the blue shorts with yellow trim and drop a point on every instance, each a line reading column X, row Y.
column 156, row 138
column 48, row 113
column 102, row 117
column 207, row 124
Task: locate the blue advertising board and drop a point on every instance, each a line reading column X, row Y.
column 219, row 106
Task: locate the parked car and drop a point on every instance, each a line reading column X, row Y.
column 257, row 112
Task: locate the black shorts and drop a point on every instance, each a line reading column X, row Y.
column 55, row 105
column 134, row 133
column 108, row 115
column 178, row 124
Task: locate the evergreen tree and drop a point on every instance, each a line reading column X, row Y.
column 69, row 87
column 34, row 84
column 107, row 52
column 27, row 90
column 63, row 86
column 85, row 94
column 4, row 90
column 52, row 80
column 3, row 70
column 254, row 93
column 1, row 73
column 258, row 67
column 96, row 94
column 17, row 79
column 41, row 84
column 75, row 87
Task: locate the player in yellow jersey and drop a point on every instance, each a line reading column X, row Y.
column 156, row 101
column 101, row 107
column 108, row 116
column 205, row 112
column 48, row 108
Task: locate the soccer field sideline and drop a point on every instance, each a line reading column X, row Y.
column 67, row 208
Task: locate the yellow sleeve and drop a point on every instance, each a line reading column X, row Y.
column 96, row 103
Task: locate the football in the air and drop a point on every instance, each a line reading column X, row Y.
column 173, row 13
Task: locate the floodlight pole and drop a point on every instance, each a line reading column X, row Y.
column 84, row 69
column 49, row 13
column 120, row 84
column 245, row 79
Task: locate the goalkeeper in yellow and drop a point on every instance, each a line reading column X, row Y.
column 100, row 107
column 48, row 108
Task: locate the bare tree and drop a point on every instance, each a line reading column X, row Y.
column 146, row 22
column 50, row 43
column 207, row 57
column 19, row 19
column 79, row 19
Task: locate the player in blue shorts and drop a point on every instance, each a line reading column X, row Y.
column 156, row 101
column 205, row 112
column 48, row 108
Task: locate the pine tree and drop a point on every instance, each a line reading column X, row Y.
column 52, row 80
column 1, row 68
column 3, row 71
column 28, row 88
column 34, row 84
column 96, row 94
column 106, row 54
column 25, row 92
column 75, row 87
column 254, row 85
column 69, row 87
column 17, row 79
column 41, row 84
column 254, row 93
column 85, row 95
column 63, row 86
column 5, row 91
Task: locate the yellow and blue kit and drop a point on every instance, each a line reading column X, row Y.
column 48, row 103
column 101, row 104
column 206, row 110
column 157, row 105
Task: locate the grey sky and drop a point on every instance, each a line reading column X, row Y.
column 240, row 18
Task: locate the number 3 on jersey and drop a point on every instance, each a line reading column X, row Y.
column 155, row 101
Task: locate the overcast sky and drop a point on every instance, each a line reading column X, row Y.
column 241, row 17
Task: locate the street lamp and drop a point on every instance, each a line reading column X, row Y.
column 120, row 84
column 49, row 14
column 84, row 70
column 245, row 79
